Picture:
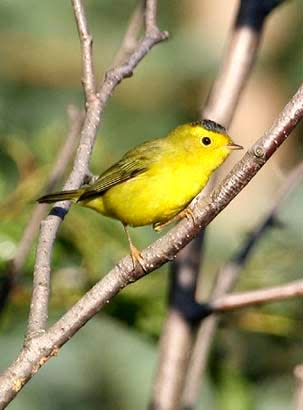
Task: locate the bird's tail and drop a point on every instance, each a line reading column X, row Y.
column 72, row 195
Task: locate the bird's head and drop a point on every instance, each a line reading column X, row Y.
column 204, row 139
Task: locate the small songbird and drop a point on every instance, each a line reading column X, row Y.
column 153, row 183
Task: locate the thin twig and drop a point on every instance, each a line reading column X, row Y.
column 86, row 41
column 257, row 297
column 130, row 39
column 226, row 278
column 150, row 16
column 39, row 349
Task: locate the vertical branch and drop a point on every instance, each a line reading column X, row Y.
column 176, row 338
column 220, row 106
column 130, row 39
column 150, row 16
column 86, row 41
column 298, row 372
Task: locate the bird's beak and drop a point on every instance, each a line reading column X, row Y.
column 234, row 146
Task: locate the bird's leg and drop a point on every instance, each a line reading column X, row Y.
column 185, row 213
column 135, row 253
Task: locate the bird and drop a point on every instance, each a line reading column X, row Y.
column 153, row 183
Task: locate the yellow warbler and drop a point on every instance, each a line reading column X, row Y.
column 154, row 182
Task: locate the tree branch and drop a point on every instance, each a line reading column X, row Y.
column 130, row 39
column 150, row 16
column 298, row 372
column 86, row 41
column 39, row 349
column 257, row 297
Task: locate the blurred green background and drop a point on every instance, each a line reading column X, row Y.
column 110, row 363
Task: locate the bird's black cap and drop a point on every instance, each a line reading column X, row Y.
column 211, row 126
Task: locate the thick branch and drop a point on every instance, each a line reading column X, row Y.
column 38, row 350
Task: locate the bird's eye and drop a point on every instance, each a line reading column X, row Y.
column 206, row 140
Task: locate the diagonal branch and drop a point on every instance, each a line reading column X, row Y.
column 39, row 349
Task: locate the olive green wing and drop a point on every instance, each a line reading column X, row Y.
column 133, row 163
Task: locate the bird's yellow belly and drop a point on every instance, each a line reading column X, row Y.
column 155, row 196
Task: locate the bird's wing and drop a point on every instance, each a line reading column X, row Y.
column 133, row 163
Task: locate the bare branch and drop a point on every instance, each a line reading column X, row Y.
column 257, row 297
column 86, row 41
column 150, row 16
column 177, row 334
column 299, row 389
column 39, row 349
column 39, row 305
column 130, row 39
column 238, row 63
column 166, row 378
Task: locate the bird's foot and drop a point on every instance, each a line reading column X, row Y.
column 137, row 257
column 188, row 214
column 158, row 226
column 185, row 213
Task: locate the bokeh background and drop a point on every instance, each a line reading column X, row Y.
column 110, row 363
